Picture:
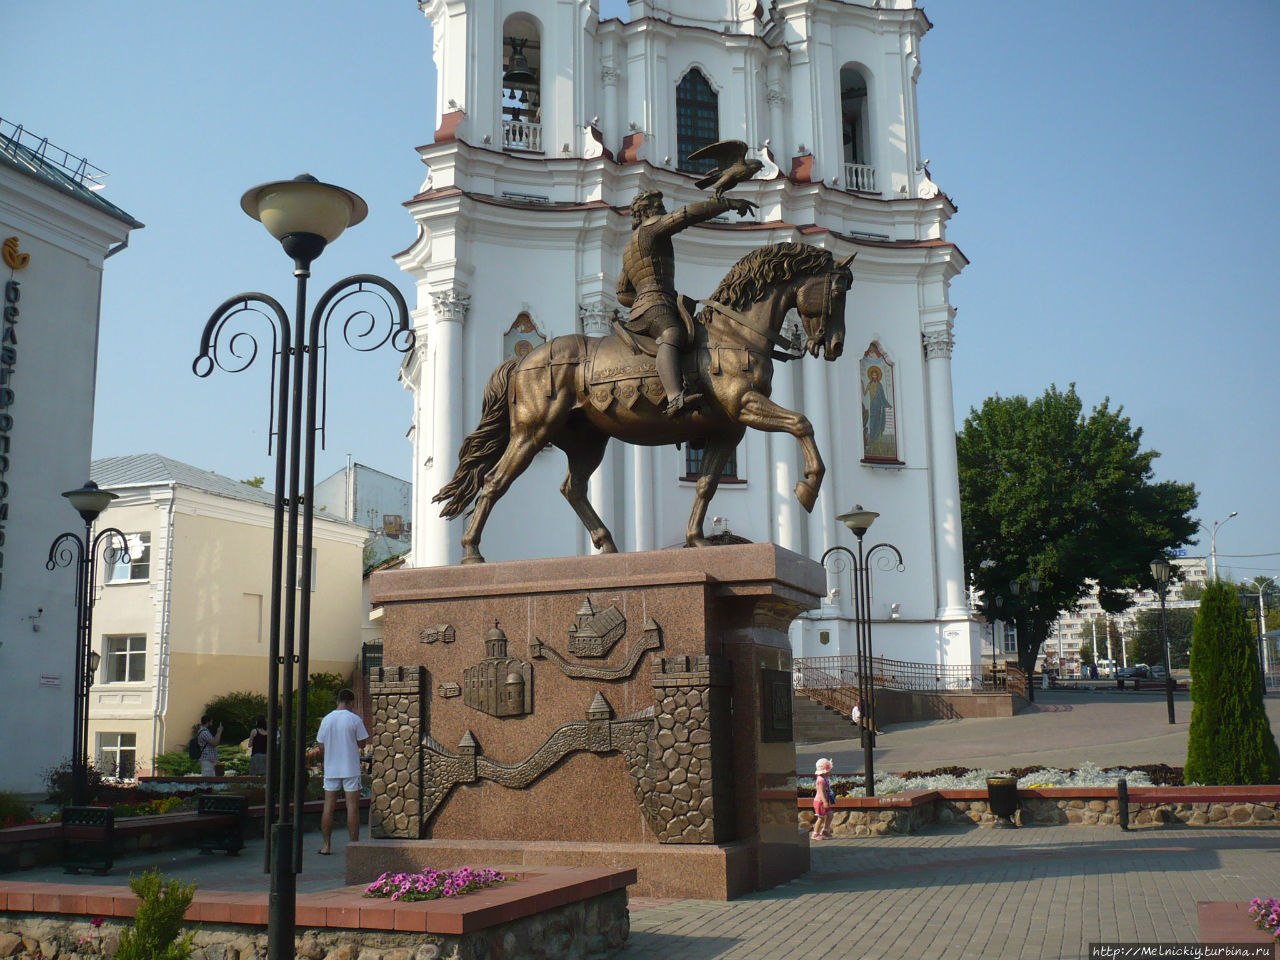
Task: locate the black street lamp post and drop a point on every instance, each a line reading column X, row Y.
column 859, row 521
column 1015, row 588
column 66, row 549
column 1160, row 573
column 305, row 215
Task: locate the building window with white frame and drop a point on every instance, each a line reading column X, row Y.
column 1009, row 638
column 314, row 562
column 118, row 755
column 126, row 660
column 693, row 465
column 138, row 567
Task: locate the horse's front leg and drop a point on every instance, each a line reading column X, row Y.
column 714, row 457
column 757, row 410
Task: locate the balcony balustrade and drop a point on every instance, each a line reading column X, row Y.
column 860, row 177
column 521, row 135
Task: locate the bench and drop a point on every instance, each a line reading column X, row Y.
column 88, row 839
column 222, row 818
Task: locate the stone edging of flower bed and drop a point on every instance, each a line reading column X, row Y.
column 908, row 812
column 535, row 916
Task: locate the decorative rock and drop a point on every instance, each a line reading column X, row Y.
column 1217, row 812
column 666, row 738
column 1240, row 814
column 309, row 948
column 428, row 951
column 1261, row 813
column 678, row 775
column 1097, row 806
column 671, row 759
column 9, row 944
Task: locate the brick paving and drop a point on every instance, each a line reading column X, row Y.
column 973, row 892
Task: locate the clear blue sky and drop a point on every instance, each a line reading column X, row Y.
column 1112, row 164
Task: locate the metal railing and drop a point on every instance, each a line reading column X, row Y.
column 77, row 168
column 839, row 675
column 860, row 177
column 521, row 135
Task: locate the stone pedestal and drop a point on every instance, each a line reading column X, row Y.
column 587, row 710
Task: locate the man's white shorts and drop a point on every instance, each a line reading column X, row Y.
column 347, row 784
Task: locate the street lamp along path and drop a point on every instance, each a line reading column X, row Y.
column 305, row 215
column 67, row 548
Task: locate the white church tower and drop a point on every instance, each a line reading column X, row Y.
column 548, row 121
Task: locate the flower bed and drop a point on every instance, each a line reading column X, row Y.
column 1266, row 915
column 432, row 885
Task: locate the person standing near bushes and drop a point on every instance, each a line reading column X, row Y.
column 257, row 746
column 208, row 742
column 339, row 739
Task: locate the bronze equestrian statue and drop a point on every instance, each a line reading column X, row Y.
column 577, row 392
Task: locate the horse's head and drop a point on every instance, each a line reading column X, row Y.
column 820, row 303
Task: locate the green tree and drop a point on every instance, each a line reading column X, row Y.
column 255, row 482
column 1230, row 739
column 156, row 927
column 1147, row 647
column 1086, row 655
column 237, row 712
column 1047, row 491
column 1192, row 591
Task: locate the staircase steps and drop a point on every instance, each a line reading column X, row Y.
column 814, row 722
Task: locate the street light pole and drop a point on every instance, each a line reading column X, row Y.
column 68, row 548
column 859, row 521
column 305, row 215
column 1262, row 625
column 1160, row 573
column 1213, row 542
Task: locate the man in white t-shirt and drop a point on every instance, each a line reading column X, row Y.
column 341, row 736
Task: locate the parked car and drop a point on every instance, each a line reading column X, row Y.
column 1157, row 672
column 1134, row 672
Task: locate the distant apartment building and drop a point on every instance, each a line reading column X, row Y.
column 377, row 501
column 187, row 617
column 1086, row 624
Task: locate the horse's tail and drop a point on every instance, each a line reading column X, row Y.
column 483, row 448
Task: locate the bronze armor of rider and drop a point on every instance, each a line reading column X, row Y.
column 647, row 283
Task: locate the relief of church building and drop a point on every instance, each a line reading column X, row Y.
column 498, row 685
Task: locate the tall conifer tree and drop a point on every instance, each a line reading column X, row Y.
column 1230, row 740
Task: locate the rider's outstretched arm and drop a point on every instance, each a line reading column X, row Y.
column 686, row 216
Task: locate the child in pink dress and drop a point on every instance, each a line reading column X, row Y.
column 822, row 794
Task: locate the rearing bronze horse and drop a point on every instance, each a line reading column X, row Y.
column 576, row 392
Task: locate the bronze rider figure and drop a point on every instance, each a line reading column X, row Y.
column 647, row 283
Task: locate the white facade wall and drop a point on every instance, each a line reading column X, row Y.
column 501, row 233
column 44, row 449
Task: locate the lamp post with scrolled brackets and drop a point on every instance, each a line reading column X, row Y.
column 859, row 522
column 305, row 215
column 1160, row 572
column 68, row 548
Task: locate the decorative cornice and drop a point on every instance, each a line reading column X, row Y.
column 450, row 304
column 938, row 344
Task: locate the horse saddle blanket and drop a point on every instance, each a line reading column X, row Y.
column 616, row 371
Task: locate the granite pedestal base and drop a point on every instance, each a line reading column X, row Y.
column 630, row 709
column 696, row 871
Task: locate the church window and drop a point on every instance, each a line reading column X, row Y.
column 521, row 87
column 693, row 464
column 859, row 174
column 697, row 121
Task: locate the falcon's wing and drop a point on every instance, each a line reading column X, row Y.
column 725, row 152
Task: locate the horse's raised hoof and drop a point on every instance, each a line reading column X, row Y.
column 807, row 494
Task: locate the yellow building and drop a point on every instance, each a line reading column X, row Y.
column 186, row 619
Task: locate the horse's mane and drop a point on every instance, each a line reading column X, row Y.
column 748, row 280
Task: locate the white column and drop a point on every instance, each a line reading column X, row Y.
column 440, row 544
column 642, row 492
column 788, row 525
column 948, row 541
column 609, row 124
column 594, row 316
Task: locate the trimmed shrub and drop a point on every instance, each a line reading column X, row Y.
column 13, row 810
column 237, row 712
column 1230, row 740
column 176, row 764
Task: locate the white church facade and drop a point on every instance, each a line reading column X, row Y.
column 548, row 121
